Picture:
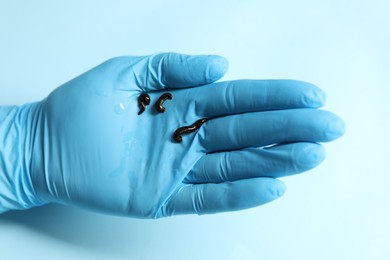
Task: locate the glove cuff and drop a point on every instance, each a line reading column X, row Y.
column 17, row 132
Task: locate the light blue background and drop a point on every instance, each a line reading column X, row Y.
column 340, row 210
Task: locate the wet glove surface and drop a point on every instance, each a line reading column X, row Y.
column 86, row 145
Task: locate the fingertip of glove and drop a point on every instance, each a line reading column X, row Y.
column 336, row 127
column 280, row 188
column 340, row 125
column 217, row 67
column 314, row 96
column 311, row 155
column 276, row 188
column 319, row 97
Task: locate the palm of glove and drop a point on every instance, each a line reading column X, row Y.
column 98, row 153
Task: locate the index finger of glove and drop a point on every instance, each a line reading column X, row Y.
column 173, row 70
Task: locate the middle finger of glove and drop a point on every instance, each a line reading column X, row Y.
column 259, row 129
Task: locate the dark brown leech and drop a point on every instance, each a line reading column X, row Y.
column 143, row 101
column 159, row 104
column 177, row 135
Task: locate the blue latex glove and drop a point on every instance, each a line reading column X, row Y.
column 85, row 145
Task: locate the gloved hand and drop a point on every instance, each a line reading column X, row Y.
column 86, row 145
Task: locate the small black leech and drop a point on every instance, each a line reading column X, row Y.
column 159, row 104
column 187, row 129
column 143, row 101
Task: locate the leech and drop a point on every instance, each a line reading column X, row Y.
column 177, row 135
column 143, row 101
column 159, row 104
